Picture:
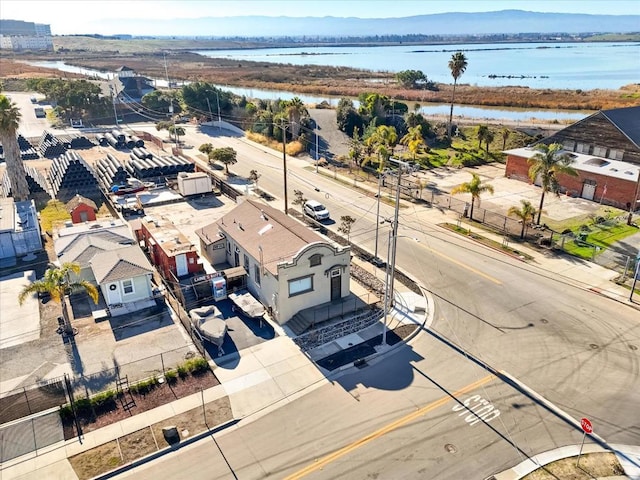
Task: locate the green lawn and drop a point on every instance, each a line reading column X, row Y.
column 602, row 236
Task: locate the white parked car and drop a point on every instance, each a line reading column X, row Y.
column 316, row 210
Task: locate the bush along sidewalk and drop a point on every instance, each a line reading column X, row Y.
column 87, row 409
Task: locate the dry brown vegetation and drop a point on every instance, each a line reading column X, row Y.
column 592, row 465
column 144, row 57
column 133, row 446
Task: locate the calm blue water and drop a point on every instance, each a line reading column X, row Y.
column 572, row 66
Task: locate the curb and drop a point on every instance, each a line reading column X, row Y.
column 160, row 453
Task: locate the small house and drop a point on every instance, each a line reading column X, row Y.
column 288, row 266
column 170, row 250
column 81, row 209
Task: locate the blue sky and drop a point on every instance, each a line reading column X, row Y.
column 84, row 16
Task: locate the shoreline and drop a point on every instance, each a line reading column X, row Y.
column 318, row 81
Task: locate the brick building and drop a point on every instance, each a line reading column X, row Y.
column 605, row 148
column 169, row 250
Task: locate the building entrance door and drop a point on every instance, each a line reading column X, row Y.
column 588, row 189
column 336, row 286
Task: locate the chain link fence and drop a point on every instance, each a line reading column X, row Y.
column 29, row 435
column 32, row 399
column 142, row 369
column 614, row 258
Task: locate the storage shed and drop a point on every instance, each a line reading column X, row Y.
column 194, row 183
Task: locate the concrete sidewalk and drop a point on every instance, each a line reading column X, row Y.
column 257, row 380
column 628, row 456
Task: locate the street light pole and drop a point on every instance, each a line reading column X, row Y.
column 219, row 119
column 209, row 105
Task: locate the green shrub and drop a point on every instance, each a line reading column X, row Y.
column 197, row 366
column 182, row 371
column 104, row 398
column 66, row 413
column 83, row 405
column 145, row 386
column 171, row 376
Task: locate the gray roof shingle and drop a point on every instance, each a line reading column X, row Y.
column 256, row 226
column 627, row 120
column 120, row 264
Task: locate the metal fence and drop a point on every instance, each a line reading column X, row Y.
column 32, row 399
column 141, row 369
column 29, row 435
column 613, row 258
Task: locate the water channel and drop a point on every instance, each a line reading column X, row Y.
column 464, row 111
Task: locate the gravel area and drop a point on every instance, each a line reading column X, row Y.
column 331, row 141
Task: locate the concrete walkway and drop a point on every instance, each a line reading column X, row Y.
column 265, row 377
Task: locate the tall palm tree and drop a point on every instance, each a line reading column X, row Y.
column 9, row 122
column 476, row 188
column 481, row 133
column 546, row 165
column 413, row 140
column 488, row 138
column 526, row 213
column 505, row 133
column 295, row 110
column 457, row 66
column 57, row 283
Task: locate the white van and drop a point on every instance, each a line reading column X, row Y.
column 316, row 210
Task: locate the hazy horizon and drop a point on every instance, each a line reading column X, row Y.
column 109, row 17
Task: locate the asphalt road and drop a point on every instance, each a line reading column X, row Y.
column 30, row 125
column 571, row 351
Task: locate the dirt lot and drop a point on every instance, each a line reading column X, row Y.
column 136, row 445
column 592, row 465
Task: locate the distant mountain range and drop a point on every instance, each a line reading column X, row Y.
column 501, row 22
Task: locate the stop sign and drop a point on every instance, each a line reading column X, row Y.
column 586, row 425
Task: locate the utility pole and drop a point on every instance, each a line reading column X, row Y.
column 317, row 158
column 174, row 123
column 284, row 162
column 376, row 260
column 113, row 102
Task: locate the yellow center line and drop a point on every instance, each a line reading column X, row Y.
column 464, row 265
column 386, row 429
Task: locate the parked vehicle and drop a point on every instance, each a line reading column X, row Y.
column 316, row 210
column 39, row 111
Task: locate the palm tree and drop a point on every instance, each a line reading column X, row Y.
column 481, row 133
column 526, row 213
column 295, row 110
column 254, row 176
column 488, row 138
column 413, row 140
column 546, row 165
column 457, row 65
column 9, row 122
column 476, row 188
column 385, row 138
column 57, row 283
column 505, row 133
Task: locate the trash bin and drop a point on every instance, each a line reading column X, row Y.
column 465, row 213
